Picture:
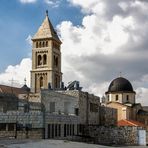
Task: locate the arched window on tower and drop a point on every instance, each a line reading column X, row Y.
column 40, row 45
column 43, row 44
column 56, row 61
column 46, row 43
column 37, row 45
column 56, row 82
column 127, row 98
column 117, row 97
column 41, row 82
column 44, row 59
column 39, row 60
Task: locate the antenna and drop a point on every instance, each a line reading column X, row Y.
column 120, row 74
column 12, row 82
column 46, row 12
column 25, row 80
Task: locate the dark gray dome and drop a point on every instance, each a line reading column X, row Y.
column 26, row 88
column 120, row 84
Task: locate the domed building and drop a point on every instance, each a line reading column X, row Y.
column 121, row 90
column 121, row 96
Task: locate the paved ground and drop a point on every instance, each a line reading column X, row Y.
column 50, row 144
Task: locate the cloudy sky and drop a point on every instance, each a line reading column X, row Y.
column 101, row 38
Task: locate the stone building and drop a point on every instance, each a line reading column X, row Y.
column 52, row 110
column 46, row 58
column 9, row 97
column 121, row 96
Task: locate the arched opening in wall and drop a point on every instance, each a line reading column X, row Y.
column 127, row 98
column 37, row 45
column 40, row 45
column 43, row 44
column 56, row 82
column 46, row 43
column 117, row 97
column 41, row 82
column 107, row 97
column 55, row 61
column 44, row 59
column 39, row 60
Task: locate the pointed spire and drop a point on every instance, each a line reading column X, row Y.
column 120, row 74
column 46, row 12
column 25, row 81
column 46, row 30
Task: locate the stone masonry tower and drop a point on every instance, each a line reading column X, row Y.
column 46, row 58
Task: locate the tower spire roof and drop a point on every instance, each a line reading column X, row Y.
column 46, row 30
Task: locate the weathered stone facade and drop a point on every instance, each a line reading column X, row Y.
column 88, row 106
column 21, row 125
column 108, row 116
column 46, row 58
column 111, row 135
column 60, row 126
column 8, row 102
column 34, row 119
column 60, row 120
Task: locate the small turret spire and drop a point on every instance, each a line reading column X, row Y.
column 46, row 12
column 25, row 81
column 120, row 74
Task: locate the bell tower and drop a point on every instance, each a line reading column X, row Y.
column 46, row 58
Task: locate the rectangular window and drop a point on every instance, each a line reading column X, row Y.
column 56, row 130
column 76, row 111
column 93, row 107
column 49, row 131
column 65, row 131
column 73, row 129
column 11, row 127
column 59, row 130
column 127, row 98
column 2, row 126
column 117, row 98
column 52, row 107
column 66, row 107
column 52, row 130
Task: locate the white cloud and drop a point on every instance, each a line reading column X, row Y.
column 142, row 94
column 17, row 73
column 53, row 3
column 28, row 1
column 28, row 40
column 109, row 40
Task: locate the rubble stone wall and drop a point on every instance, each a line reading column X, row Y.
column 35, row 119
column 108, row 116
column 113, row 135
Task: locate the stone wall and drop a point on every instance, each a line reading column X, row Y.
column 85, row 100
column 108, row 116
column 57, row 103
column 35, row 119
column 21, row 125
column 113, row 135
column 8, row 102
column 23, row 134
column 52, row 123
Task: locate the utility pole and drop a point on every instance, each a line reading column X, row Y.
column 12, row 83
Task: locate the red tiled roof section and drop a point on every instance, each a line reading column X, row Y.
column 130, row 123
column 11, row 90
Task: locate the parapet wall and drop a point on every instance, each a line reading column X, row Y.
column 113, row 135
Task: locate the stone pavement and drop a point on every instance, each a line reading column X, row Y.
column 52, row 144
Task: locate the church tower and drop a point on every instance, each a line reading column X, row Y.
column 46, row 58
